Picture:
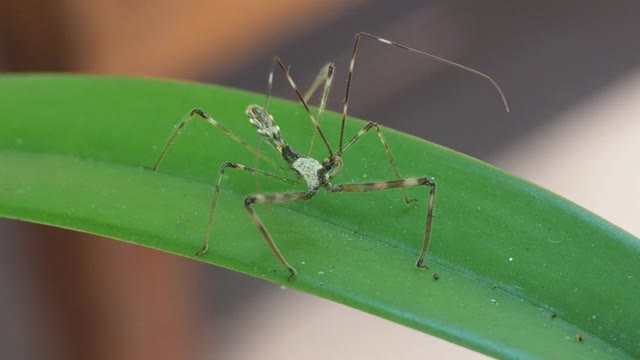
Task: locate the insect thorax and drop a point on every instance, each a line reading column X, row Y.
column 308, row 168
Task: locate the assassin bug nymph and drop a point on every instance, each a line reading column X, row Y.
column 316, row 174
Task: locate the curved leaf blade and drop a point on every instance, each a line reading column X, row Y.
column 509, row 254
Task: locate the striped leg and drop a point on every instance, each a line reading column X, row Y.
column 302, row 100
column 272, row 199
column 436, row 58
column 205, row 244
column 324, row 76
column 363, row 131
column 182, row 124
column 404, row 183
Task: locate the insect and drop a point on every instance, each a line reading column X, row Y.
column 316, row 174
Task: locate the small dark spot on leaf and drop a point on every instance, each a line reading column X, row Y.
column 579, row 337
column 554, row 315
column 436, row 276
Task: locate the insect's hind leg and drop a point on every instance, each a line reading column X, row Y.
column 271, row 199
column 214, row 201
column 402, row 183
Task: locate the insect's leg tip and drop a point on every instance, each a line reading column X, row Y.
column 202, row 251
column 149, row 168
column 410, row 201
column 292, row 276
column 420, row 265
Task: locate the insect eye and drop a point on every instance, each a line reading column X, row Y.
column 327, row 166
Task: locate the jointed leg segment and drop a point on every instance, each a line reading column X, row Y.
column 325, row 75
column 403, row 183
column 363, row 131
column 302, row 100
column 216, row 192
column 272, row 199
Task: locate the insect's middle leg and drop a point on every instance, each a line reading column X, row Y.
column 364, row 130
column 205, row 244
column 272, row 199
column 402, row 183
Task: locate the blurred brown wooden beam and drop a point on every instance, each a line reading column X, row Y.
column 182, row 39
column 163, row 38
column 34, row 36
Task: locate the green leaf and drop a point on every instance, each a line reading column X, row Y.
column 509, row 254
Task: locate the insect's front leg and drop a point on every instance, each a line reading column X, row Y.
column 402, row 183
column 272, row 199
column 216, row 192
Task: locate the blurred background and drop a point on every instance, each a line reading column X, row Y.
column 570, row 70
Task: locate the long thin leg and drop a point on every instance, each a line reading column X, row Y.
column 182, row 124
column 205, row 244
column 403, row 183
column 384, row 41
column 324, row 76
column 364, row 130
column 303, row 102
column 272, row 199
